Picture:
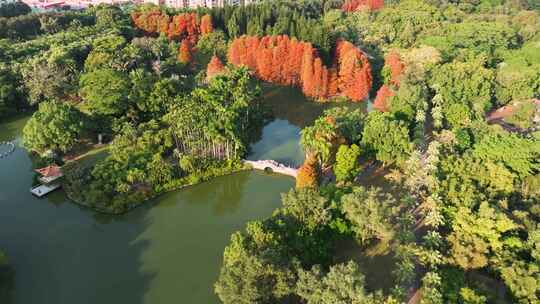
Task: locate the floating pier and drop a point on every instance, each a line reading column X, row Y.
column 43, row 190
column 49, row 174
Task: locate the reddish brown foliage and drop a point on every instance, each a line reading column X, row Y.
column 353, row 5
column 279, row 59
column 180, row 27
column 396, row 66
column 147, row 21
column 214, row 67
column 307, row 72
column 206, row 24
column 184, row 54
column 354, row 71
column 381, row 101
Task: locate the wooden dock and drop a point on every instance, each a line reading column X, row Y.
column 43, row 190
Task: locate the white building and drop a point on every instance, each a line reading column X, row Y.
column 198, row 3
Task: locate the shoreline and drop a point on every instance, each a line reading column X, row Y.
column 111, row 213
column 107, row 212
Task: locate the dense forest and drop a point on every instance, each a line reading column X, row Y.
column 134, row 101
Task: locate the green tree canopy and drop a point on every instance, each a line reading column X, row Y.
column 387, row 138
column 343, row 284
column 11, row 97
column 56, row 126
column 14, row 9
column 347, row 167
column 464, row 91
column 106, row 91
column 371, row 213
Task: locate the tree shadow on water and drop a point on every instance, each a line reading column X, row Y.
column 78, row 260
column 7, row 275
column 115, row 267
column 224, row 193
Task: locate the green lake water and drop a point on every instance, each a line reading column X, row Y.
column 280, row 140
column 168, row 251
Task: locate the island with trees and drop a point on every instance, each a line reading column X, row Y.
column 440, row 176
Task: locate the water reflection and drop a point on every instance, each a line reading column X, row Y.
column 281, row 142
column 166, row 251
column 11, row 127
column 291, row 112
column 7, row 276
column 290, row 104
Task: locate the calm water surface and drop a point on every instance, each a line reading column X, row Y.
column 280, row 138
column 168, row 251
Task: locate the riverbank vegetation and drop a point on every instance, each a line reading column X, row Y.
column 139, row 95
column 459, row 217
column 454, row 128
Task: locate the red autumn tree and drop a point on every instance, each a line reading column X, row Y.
column 179, row 27
column 396, row 66
column 236, row 50
column 354, row 71
column 332, row 82
column 148, row 21
column 184, row 53
column 317, row 78
column 354, row 5
column 264, row 63
column 193, row 29
column 163, row 24
column 215, row 67
column 382, row 99
column 279, row 59
column 307, row 72
column 206, row 24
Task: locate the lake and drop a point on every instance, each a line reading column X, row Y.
column 167, row 251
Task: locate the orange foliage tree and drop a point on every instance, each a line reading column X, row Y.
column 286, row 61
column 353, row 5
column 396, row 68
column 184, row 54
column 179, row 27
column 215, row 67
column 354, row 71
column 308, row 174
column 206, row 24
column 381, row 101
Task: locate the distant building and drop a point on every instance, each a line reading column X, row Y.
column 78, row 4
column 156, row 2
column 177, row 3
column 199, row 3
column 44, row 5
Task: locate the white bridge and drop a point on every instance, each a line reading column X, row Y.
column 272, row 165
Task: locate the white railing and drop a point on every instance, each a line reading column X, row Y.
column 272, row 165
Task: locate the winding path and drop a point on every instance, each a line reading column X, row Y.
column 272, row 165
